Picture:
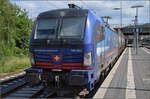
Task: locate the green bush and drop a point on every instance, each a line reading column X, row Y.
column 15, row 29
column 13, row 64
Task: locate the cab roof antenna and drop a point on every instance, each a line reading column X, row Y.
column 74, row 6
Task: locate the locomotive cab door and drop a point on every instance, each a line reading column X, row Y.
column 99, row 41
column 103, row 46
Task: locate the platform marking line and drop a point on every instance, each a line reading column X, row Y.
column 103, row 89
column 146, row 50
column 130, row 89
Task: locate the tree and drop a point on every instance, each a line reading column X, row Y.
column 15, row 29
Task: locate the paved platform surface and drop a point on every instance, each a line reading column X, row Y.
column 129, row 78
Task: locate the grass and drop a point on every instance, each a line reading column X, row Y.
column 13, row 64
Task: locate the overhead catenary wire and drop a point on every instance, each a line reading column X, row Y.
column 52, row 4
column 87, row 6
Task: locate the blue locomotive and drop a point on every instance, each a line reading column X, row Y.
column 71, row 49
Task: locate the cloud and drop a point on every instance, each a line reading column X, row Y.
column 102, row 8
column 30, row 7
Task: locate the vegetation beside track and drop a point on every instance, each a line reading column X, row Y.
column 15, row 29
column 13, row 64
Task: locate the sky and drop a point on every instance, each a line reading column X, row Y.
column 99, row 7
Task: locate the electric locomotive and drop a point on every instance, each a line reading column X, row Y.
column 70, row 49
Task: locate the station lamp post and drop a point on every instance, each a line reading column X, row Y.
column 134, row 36
column 120, row 15
column 120, row 12
column 136, row 25
column 120, row 20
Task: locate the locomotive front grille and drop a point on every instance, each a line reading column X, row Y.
column 68, row 59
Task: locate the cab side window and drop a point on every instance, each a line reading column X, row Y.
column 99, row 34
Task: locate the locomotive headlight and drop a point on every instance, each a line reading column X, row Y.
column 87, row 59
column 32, row 61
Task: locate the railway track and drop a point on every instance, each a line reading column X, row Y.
column 25, row 92
column 16, row 88
column 10, row 84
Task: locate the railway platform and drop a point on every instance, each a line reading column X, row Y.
column 129, row 78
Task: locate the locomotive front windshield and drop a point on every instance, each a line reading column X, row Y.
column 46, row 28
column 70, row 27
